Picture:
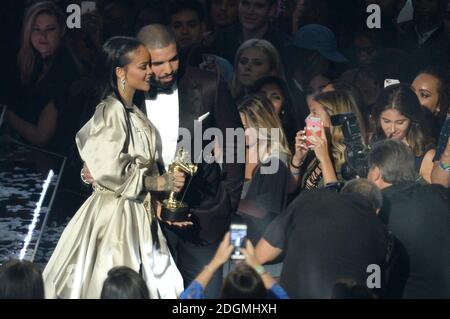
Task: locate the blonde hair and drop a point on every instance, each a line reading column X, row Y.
column 268, row 50
column 337, row 102
column 260, row 114
column 26, row 58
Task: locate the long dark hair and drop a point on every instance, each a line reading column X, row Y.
column 443, row 90
column 115, row 53
column 21, row 280
column 287, row 114
column 124, row 283
column 243, row 283
column 400, row 97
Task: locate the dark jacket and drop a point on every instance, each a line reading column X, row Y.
column 213, row 193
column 419, row 217
column 326, row 237
column 435, row 50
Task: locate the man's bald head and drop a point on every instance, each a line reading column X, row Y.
column 156, row 36
column 161, row 44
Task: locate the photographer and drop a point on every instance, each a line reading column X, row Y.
column 249, row 280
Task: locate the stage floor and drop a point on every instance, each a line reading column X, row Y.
column 33, row 208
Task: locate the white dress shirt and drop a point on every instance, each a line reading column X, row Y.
column 163, row 112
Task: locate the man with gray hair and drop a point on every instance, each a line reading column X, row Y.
column 419, row 217
column 366, row 188
column 326, row 236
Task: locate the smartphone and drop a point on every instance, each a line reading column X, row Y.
column 313, row 127
column 388, row 82
column 238, row 237
column 87, row 6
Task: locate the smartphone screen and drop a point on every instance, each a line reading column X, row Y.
column 313, row 127
column 238, row 236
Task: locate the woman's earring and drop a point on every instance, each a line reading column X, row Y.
column 122, row 81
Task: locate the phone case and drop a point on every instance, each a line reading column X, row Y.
column 313, row 126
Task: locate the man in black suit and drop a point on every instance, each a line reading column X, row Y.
column 419, row 217
column 179, row 100
column 425, row 36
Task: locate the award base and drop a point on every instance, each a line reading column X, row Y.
column 174, row 211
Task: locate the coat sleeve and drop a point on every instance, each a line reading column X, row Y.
column 103, row 145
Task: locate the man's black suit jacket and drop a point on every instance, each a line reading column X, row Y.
column 213, row 193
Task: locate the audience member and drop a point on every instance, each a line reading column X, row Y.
column 424, row 37
column 322, row 167
column 418, row 216
column 398, row 115
column 248, row 281
column 276, row 90
column 431, row 86
column 254, row 23
column 255, row 59
column 187, row 21
column 267, row 176
column 327, row 236
column 46, row 70
column 124, row 283
column 222, row 13
column 20, row 280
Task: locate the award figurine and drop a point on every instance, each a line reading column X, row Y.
column 174, row 210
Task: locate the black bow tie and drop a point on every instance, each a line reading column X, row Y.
column 155, row 90
column 164, row 90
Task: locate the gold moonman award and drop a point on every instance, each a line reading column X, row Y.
column 174, row 210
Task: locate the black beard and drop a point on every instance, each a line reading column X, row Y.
column 166, row 85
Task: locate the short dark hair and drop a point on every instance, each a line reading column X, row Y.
column 177, row 6
column 124, row 283
column 395, row 161
column 367, row 189
column 20, row 279
column 243, row 283
column 156, row 36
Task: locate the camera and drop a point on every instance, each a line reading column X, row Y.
column 355, row 151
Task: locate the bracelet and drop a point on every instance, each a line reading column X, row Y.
column 260, row 270
column 444, row 166
column 295, row 166
column 84, row 179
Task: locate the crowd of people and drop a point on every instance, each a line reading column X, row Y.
column 369, row 187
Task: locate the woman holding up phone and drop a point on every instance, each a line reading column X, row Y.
column 319, row 157
column 249, row 280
